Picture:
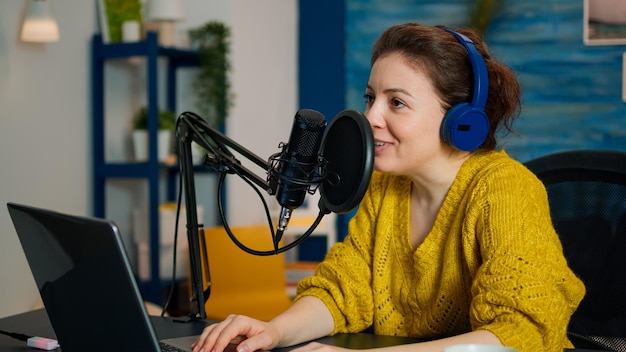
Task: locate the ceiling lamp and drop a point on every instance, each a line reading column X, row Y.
column 39, row 25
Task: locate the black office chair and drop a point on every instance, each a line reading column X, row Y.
column 587, row 195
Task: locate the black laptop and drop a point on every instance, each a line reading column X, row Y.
column 86, row 282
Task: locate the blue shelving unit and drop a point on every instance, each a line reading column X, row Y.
column 152, row 169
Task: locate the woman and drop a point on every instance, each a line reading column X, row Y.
column 453, row 241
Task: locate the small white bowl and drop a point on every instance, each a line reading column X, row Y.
column 478, row 348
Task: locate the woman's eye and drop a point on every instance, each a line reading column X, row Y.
column 368, row 98
column 397, row 103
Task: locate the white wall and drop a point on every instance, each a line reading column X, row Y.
column 45, row 148
column 264, row 59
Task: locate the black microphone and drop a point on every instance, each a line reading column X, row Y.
column 298, row 163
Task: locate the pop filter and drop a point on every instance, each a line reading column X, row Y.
column 348, row 148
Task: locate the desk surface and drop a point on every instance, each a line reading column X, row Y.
column 36, row 323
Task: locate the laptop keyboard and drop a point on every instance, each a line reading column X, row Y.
column 169, row 348
column 231, row 347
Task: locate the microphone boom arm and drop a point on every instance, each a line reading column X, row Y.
column 192, row 128
column 196, row 128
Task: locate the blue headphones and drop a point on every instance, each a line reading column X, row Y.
column 465, row 125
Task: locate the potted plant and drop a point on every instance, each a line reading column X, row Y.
column 167, row 124
column 211, row 84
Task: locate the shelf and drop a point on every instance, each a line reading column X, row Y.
column 139, row 170
column 149, row 47
column 152, row 171
column 124, row 170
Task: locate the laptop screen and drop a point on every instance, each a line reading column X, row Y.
column 85, row 281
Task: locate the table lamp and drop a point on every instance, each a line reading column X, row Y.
column 164, row 14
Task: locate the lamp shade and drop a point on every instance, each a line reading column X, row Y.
column 39, row 24
column 165, row 10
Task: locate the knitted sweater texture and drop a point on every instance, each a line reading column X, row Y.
column 492, row 261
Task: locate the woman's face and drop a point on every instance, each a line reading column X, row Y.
column 405, row 115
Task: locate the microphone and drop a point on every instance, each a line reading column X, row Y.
column 298, row 163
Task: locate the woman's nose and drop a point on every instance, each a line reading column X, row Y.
column 374, row 115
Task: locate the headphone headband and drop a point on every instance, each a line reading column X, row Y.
column 481, row 79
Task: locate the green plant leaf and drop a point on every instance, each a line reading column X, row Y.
column 167, row 119
column 211, row 84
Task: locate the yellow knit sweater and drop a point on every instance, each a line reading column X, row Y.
column 491, row 261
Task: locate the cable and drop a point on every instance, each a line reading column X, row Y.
column 242, row 246
column 15, row 335
column 173, row 282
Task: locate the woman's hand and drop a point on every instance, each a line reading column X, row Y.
column 249, row 333
column 305, row 320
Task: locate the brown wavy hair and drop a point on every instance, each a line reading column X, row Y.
column 440, row 56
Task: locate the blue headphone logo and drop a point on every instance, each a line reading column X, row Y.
column 465, row 125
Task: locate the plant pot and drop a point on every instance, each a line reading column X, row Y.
column 140, row 145
column 197, row 154
column 164, row 145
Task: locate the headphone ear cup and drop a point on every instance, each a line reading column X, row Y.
column 464, row 127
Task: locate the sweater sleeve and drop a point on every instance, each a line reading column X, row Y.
column 524, row 292
column 343, row 279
